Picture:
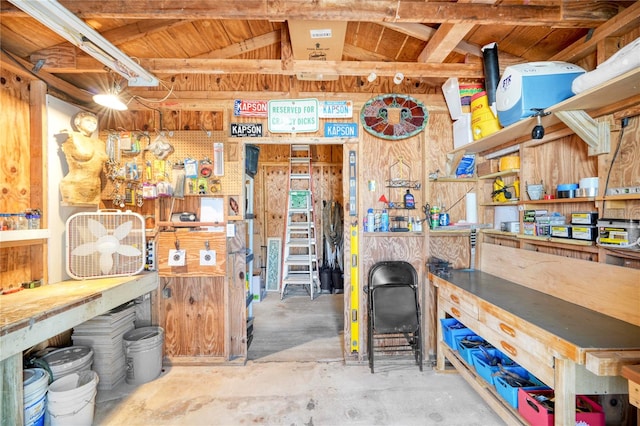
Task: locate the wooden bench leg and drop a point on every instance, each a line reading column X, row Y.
column 565, row 392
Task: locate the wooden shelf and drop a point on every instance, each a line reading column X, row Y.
column 623, row 197
column 556, row 241
column 24, row 235
column 561, row 201
column 508, row 172
column 614, row 91
column 453, row 179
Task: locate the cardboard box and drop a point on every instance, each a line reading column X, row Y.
column 462, row 131
column 537, row 415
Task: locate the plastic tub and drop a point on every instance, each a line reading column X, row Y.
column 36, row 383
column 72, row 399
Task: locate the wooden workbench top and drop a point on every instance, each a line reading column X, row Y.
column 631, row 372
column 585, row 328
column 34, row 315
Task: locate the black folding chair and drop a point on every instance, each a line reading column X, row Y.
column 393, row 311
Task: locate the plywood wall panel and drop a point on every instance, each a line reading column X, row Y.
column 275, row 191
column 455, row 249
column 192, row 318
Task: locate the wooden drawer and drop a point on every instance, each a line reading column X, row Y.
column 634, row 393
column 528, row 346
column 463, row 301
column 454, row 310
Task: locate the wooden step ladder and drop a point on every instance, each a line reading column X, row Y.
column 300, row 257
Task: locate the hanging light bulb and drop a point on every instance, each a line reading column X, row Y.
column 111, row 100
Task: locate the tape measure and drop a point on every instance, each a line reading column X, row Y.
column 355, row 291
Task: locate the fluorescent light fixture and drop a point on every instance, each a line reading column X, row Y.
column 110, row 100
column 60, row 20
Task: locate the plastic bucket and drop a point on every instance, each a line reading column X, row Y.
column 36, row 383
column 143, row 354
column 69, row 360
column 72, row 399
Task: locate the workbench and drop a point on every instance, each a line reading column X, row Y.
column 549, row 336
column 32, row 316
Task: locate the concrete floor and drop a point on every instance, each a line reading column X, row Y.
column 296, row 376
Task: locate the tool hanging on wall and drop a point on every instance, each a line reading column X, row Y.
column 353, row 207
column 355, row 290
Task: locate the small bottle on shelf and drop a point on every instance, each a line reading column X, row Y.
column 409, row 201
column 384, row 221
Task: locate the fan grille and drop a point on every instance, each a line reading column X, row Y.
column 103, row 247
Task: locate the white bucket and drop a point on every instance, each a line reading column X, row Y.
column 69, row 360
column 36, row 383
column 143, row 354
column 72, row 398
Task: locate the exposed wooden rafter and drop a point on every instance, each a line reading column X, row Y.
column 560, row 14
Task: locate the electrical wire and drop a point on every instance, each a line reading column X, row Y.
column 624, row 122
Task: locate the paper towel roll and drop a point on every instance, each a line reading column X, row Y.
column 471, row 207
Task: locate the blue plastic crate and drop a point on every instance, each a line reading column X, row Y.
column 510, row 393
column 451, row 328
column 466, row 351
column 483, row 365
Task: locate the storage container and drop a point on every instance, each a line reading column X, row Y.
column 533, row 85
column 486, row 368
column 451, row 328
column 537, row 415
column 509, row 392
column 585, row 233
column 469, row 344
column 561, row 231
column 619, row 233
column 584, row 218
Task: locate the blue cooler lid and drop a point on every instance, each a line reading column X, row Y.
column 567, row 186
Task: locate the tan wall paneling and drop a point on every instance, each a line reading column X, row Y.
column 16, row 265
column 455, row 249
column 275, row 196
column 191, row 317
column 440, row 141
column 236, row 332
column 192, row 243
column 14, row 149
column 625, row 170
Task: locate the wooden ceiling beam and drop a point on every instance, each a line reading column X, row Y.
column 24, row 68
column 244, row 46
column 559, row 14
column 87, row 64
column 625, row 21
column 447, row 37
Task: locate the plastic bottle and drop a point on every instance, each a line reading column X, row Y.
column 369, row 221
column 409, row 201
column 384, row 221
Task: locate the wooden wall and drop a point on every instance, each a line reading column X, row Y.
column 16, row 265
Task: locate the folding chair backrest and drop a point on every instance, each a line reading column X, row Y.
column 392, row 272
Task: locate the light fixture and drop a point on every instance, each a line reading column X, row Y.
column 538, row 130
column 397, row 79
column 110, row 100
column 372, row 77
column 64, row 23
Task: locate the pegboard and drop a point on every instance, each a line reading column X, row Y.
column 189, row 144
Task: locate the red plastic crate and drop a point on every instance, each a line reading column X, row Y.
column 537, row 415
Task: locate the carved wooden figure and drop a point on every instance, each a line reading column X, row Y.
column 85, row 157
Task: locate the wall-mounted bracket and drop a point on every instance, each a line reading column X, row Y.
column 596, row 134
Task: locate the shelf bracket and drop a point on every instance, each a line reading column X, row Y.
column 596, row 134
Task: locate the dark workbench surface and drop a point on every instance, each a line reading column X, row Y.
column 582, row 327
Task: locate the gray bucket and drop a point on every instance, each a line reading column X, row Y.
column 143, row 354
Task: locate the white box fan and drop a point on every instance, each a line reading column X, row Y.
column 104, row 244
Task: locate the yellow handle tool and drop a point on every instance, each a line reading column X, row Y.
column 355, row 291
